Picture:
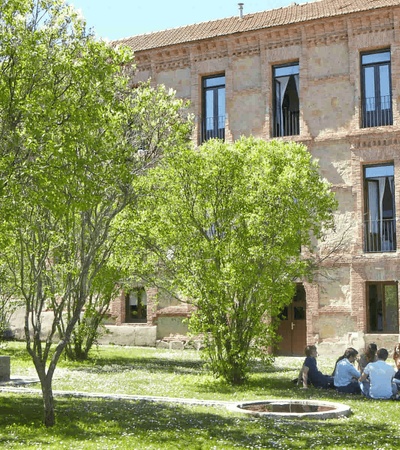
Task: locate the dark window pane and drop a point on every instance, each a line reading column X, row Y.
column 284, row 314
column 209, row 108
column 287, row 105
column 379, row 212
column 299, row 313
column 391, row 319
column 384, row 77
column 376, row 90
column 285, row 71
column 214, row 81
column 382, row 304
column 379, row 171
column 369, row 88
column 136, row 306
column 300, row 295
column 213, row 120
column 376, row 57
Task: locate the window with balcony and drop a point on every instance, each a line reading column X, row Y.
column 287, row 107
column 376, row 89
column 136, row 306
column 379, row 214
column 382, row 307
column 213, row 120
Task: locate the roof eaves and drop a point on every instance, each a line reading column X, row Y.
column 262, row 20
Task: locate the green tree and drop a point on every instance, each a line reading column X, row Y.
column 89, row 327
column 225, row 224
column 8, row 303
column 151, row 121
column 73, row 137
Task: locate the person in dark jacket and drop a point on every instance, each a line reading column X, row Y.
column 309, row 373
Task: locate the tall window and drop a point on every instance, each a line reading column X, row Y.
column 286, row 84
column 136, row 306
column 379, row 215
column 213, row 121
column 382, row 307
column 376, row 89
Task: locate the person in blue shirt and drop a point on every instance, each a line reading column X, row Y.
column 380, row 374
column 309, row 373
column 345, row 375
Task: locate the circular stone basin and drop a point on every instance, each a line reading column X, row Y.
column 293, row 408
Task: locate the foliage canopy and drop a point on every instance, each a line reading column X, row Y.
column 73, row 137
column 228, row 222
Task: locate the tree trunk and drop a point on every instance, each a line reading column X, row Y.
column 48, row 403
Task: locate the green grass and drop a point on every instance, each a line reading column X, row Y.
column 87, row 423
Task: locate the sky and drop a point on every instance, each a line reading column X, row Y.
column 116, row 19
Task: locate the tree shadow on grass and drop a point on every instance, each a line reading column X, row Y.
column 274, row 384
column 159, row 364
column 150, row 364
column 141, row 424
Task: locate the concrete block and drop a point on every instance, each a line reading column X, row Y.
column 176, row 345
column 143, row 336
column 162, row 344
column 5, row 368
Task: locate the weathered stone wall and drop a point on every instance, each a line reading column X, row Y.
column 130, row 335
column 169, row 325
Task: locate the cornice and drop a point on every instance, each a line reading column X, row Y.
column 171, row 64
column 374, row 22
column 325, row 32
column 210, row 49
column 281, row 37
column 386, row 139
column 313, row 33
column 245, row 45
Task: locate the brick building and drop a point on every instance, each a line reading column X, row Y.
column 327, row 74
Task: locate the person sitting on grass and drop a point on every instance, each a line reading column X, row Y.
column 381, row 376
column 345, row 374
column 309, row 373
column 367, row 357
column 396, row 357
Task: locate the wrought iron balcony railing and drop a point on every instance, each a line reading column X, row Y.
column 212, row 127
column 290, row 125
column 377, row 111
column 380, row 235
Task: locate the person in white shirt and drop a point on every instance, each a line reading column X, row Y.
column 380, row 374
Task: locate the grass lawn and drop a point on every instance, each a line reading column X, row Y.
column 87, row 423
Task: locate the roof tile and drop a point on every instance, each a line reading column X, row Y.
column 291, row 14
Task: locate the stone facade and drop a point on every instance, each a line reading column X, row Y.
column 328, row 49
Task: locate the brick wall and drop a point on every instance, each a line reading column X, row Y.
column 328, row 52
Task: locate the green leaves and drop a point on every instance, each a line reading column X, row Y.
column 74, row 138
column 234, row 218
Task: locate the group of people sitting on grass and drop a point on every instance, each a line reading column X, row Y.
column 374, row 377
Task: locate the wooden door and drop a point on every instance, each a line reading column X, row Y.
column 293, row 325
